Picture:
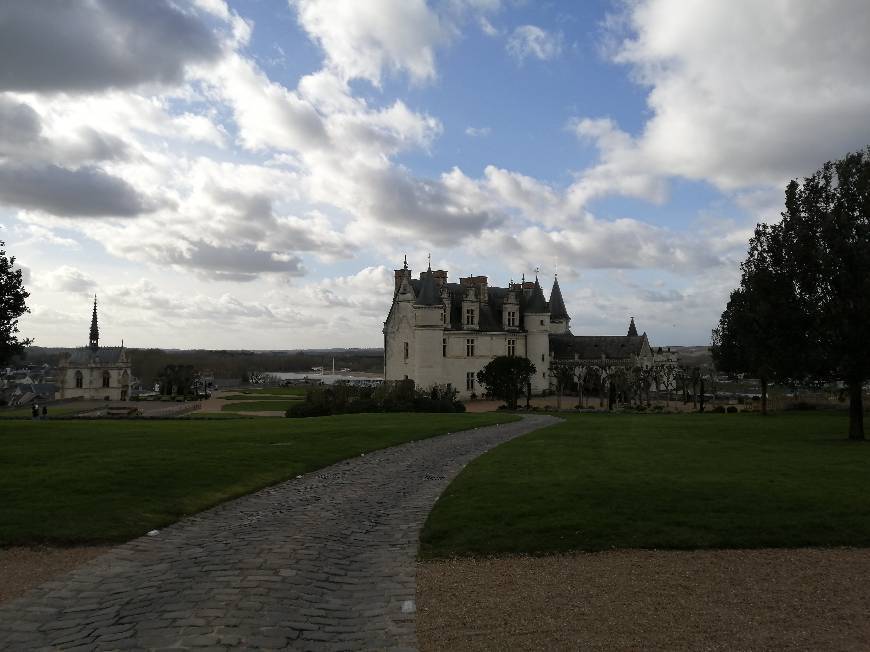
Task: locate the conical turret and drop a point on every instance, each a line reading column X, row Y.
column 632, row 329
column 557, row 304
column 537, row 303
column 94, row 339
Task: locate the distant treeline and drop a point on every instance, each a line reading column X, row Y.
column 148, row 363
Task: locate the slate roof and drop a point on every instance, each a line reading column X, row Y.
column 428, row 294
column 592, row 347
column 557, row 304
column 85, row 355
column 537, row 303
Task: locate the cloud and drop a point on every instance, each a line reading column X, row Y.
column 68, row 279
column 477, row 132
column 361, row 39
column 84, row 192
column 24, row 139
column 532, row 41
column 90, row 45
column 737, row 96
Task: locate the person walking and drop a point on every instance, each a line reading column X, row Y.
column 34, row 410
column 44, row 411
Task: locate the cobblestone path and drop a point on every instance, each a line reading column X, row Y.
column 325, row 561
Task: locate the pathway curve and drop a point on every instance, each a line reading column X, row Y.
column 325, row 561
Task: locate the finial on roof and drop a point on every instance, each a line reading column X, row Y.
column 406, row 262
column 429, row 256
column 524, row 278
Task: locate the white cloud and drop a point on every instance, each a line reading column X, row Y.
column 478, row 132
column 532, row 41
column 362, row 39
column 68, row 279
column 747, row 93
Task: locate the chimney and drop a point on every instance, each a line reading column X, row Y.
column 440, row 277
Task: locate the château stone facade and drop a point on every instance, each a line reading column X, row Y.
column 95, row 372
column 438, row 332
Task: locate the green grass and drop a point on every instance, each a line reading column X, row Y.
column 259, row 406
column 108, row 481
column 53, row 411
column 220, row 415
column 686, row 481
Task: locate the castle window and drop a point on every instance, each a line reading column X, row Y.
column 444, row 347
column 469, row 381
column 106, row 378
column 511, row 348
column 542, row 322
column 469, row 348
column 512, row 318
column 79, row 379
column 542, row 357
column 406, row 350
column 469, row 316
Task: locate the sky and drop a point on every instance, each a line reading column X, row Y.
column 248, row 174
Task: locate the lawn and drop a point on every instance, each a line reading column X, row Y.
column 53, row 411
column 685, row 481
column 109, row 481
column 281, row 405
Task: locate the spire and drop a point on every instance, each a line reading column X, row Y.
column 557, row 304
column 94, row 340
column 632, row 329
column 405, row 266
column 537, row 303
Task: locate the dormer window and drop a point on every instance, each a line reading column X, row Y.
column 512, row 318
column 469, row 316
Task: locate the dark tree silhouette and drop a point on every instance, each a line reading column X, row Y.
column 506, row 377
column 12, row 306
column 804, row 303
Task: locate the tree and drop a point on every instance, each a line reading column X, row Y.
column 806, row 285
column 564, row 377
column 762, row 328
column 506, row 377
column 12, row 306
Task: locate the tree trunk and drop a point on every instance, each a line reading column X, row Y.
column 702, row 395
column 856, row 411
column 763, row 395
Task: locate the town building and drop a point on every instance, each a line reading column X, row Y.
column 95, row 372
column 439, row 333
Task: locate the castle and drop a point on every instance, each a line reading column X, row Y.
column 444, row 333
column 95, row 372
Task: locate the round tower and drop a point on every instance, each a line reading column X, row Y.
column 536, row 322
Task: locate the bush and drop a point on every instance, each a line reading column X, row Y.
column 304, row 410
column 732, row 409
column 801, row 406
column 397, row 396
column 719, row 409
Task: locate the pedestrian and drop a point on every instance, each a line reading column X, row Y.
column 44, row 411
column 34, row 410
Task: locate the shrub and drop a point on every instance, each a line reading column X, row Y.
column 732, row 409
column 719, row 409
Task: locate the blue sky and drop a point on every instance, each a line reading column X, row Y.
column 247, row 174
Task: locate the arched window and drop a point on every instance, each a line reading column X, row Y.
column 106, row 378
column 79, row 379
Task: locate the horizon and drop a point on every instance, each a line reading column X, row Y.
column 258, row 177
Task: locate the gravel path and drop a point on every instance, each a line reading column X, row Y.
column 326, row 561
column 805, row 599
